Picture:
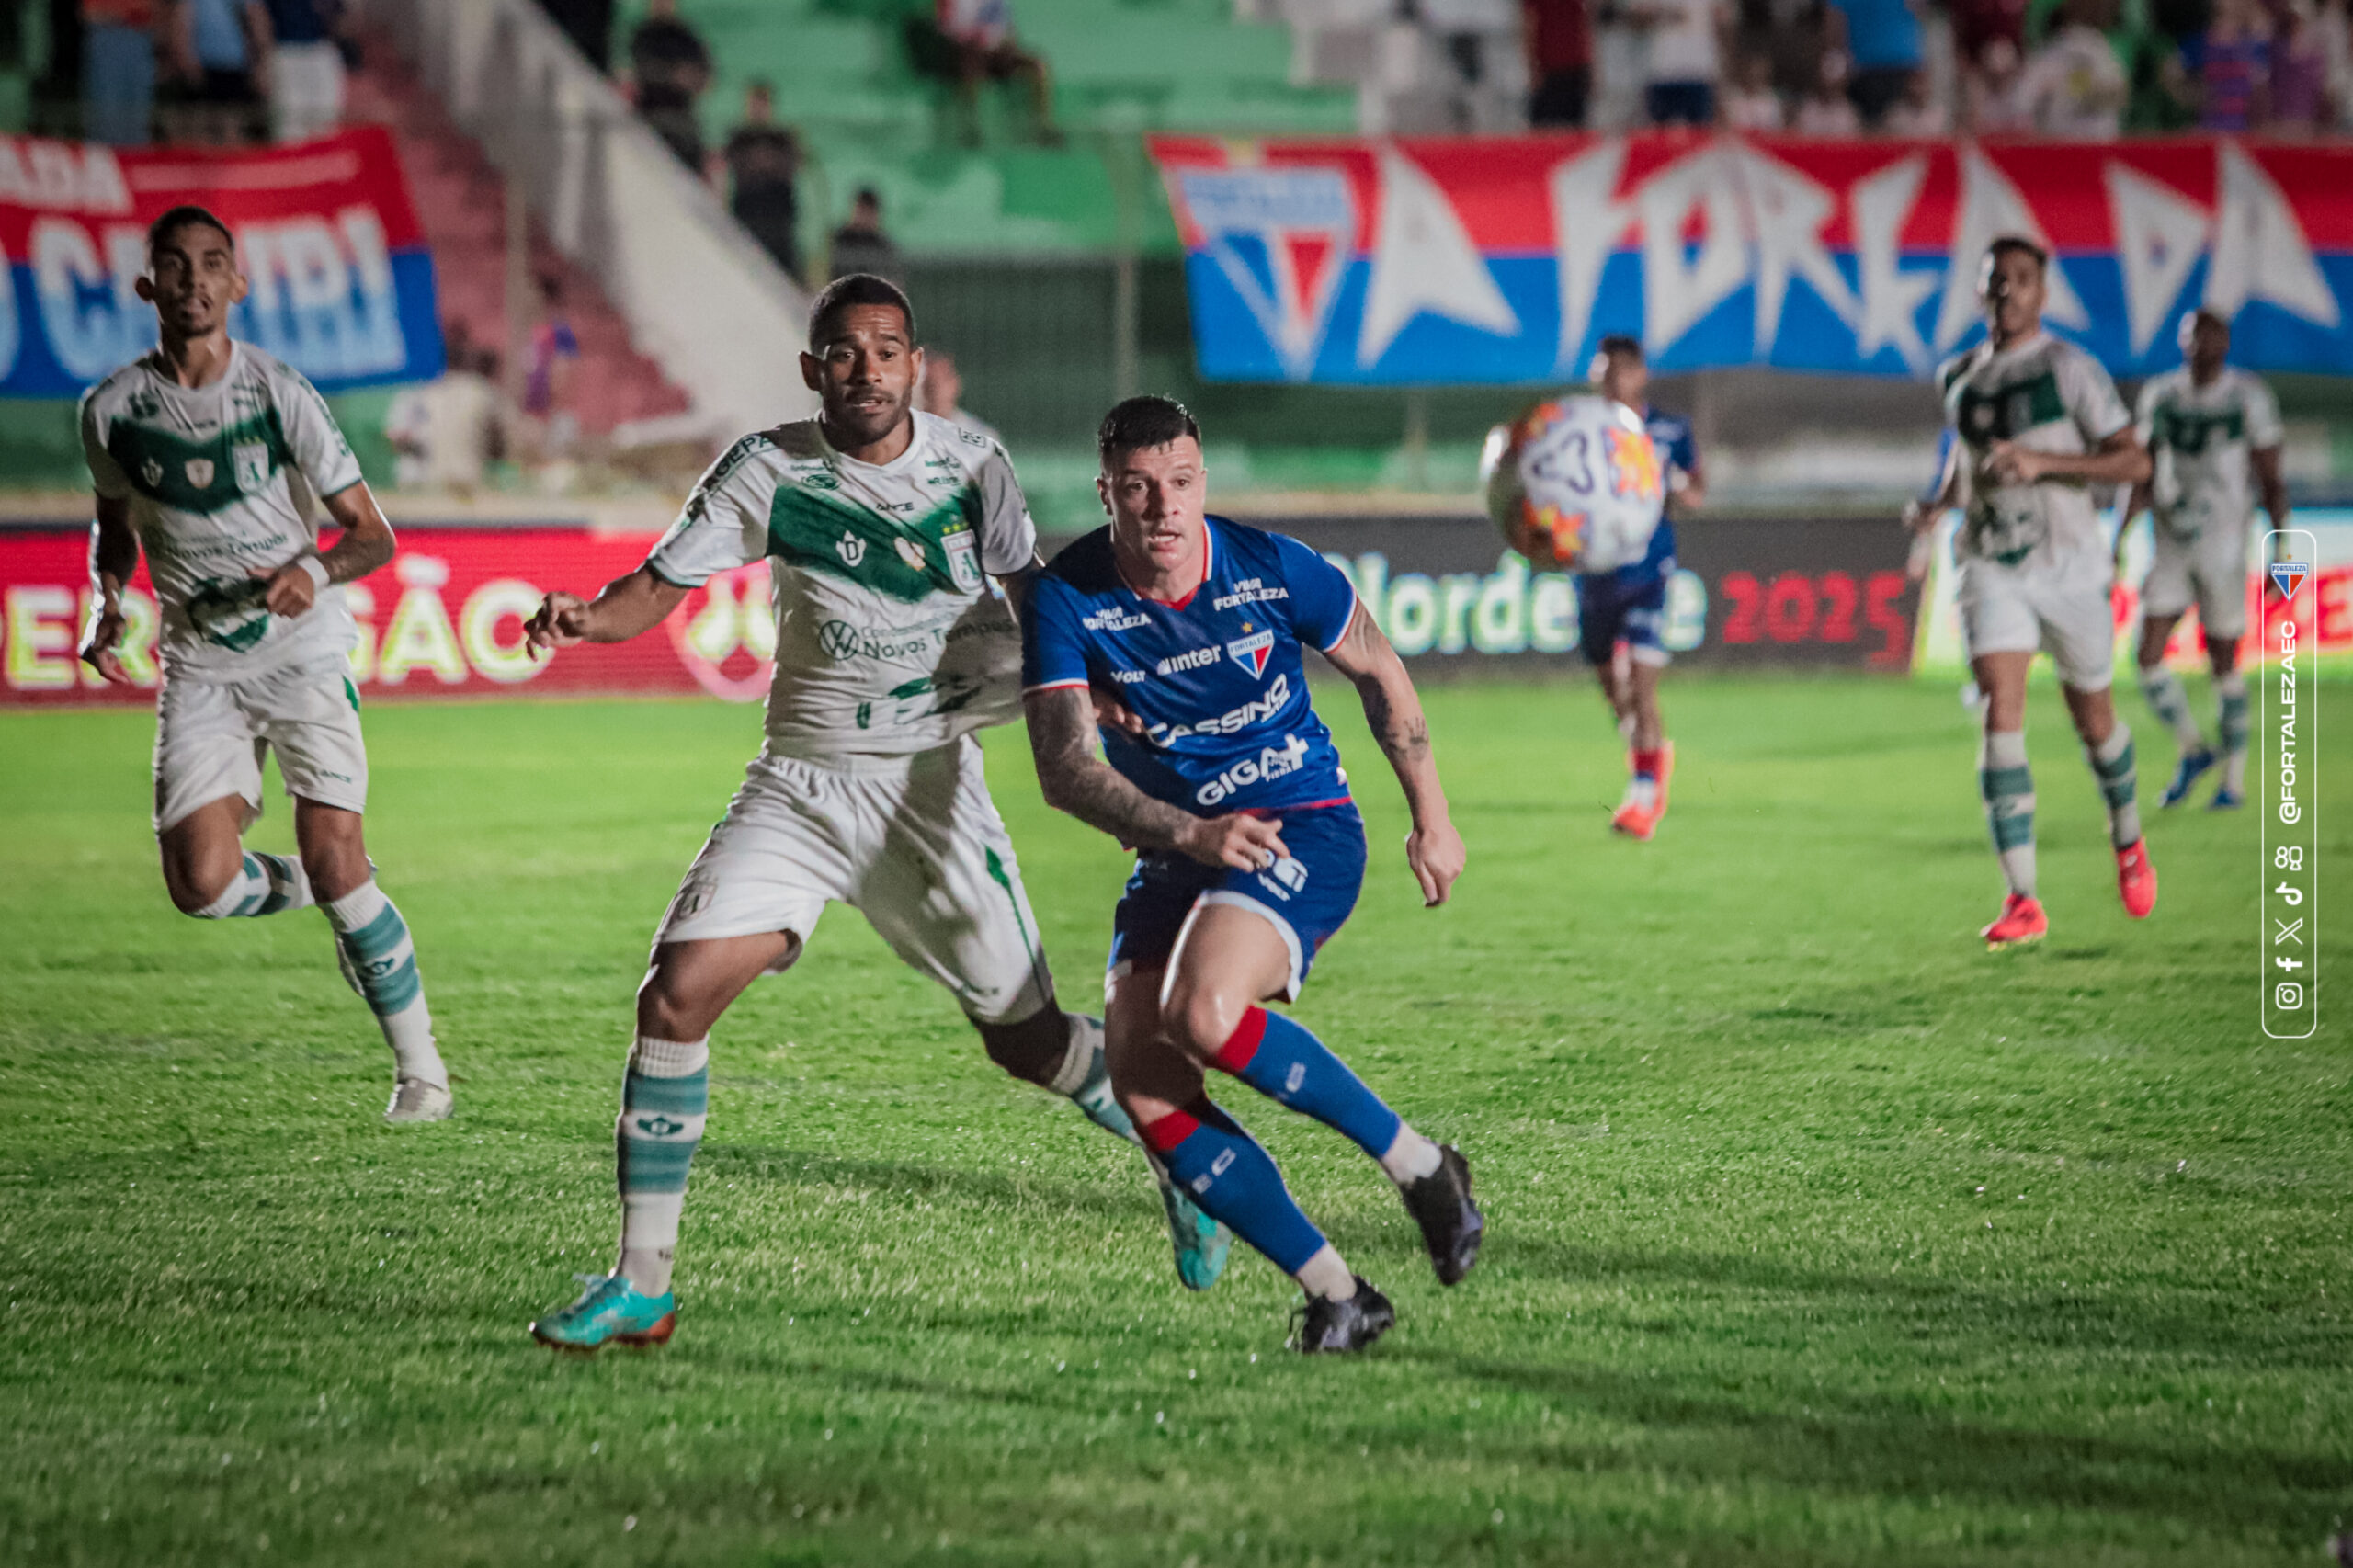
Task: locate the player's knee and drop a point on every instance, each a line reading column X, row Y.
column 669, row 1009
column 196, row 883
column 1199, row 1022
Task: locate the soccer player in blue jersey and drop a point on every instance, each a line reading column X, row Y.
column 1179, row 636
column 1628, row 606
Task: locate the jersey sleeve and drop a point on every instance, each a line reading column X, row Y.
column 2263, row 429
column 1053, row 643
column 723, row 525
column 107, row 477
column 1008, row 536
column 1323, row 600
column 2145, row 417
column 313, row 438
column 1682, row 451
column 2092, row 399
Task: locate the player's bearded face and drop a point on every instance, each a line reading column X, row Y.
column 1155, row 497
column 192, row 280
column 865, row 373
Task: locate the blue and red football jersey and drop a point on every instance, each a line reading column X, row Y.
column 1216, row 676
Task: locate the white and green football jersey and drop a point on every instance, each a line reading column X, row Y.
column 205, row 469
column 887, row 637
column 2201, row 438
column 2048, row 396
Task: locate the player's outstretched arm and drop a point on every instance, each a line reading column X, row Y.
column 2119, row 459
column 114, row 556
column 366, row 543
column 1074, row 779
column 1393, row 709
column 627, row 606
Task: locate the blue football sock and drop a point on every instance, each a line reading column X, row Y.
column 1291, row 1067
column 1235, row 1180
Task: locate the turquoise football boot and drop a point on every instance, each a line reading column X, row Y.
column 612, row 1311
column 1200, row 1241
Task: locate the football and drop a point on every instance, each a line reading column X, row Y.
column 1564, row 474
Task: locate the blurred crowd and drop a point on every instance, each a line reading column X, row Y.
column 2079, row 69
column 220, row 72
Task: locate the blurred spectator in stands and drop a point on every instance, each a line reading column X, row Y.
column 2336, row 44
column 1558, row 41
column 1749, row 101
column 979, row 32
column 589, row 24
column 1978, row 25
column 2300, row 68
column 1883, row 50
column 212, row 48
column 547, row 381
column 669, row 68
column 304, row 64
column 118, row 70
column 1685, row 59
column 2073, row 86
column 447, row 432
column 861, row 245
column 1993, row 103
column 2230, row 67
column 1798, row 34
column 942, row 392
column 1829, row 110
column 763, row 161
column 1918, row 114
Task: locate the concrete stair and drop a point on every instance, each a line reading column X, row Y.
column 461, row 201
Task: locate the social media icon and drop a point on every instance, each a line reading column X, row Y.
column 2289, row 995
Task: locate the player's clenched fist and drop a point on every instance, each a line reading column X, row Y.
column 99, row 642
column 1437, row 855
column 1245, row 843
column 561, row 621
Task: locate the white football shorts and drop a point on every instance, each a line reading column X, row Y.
column 2022, row 609
column 913, row 842
column 211, row 737
column 2208, row 571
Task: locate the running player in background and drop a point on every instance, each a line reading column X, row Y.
column 2213, row 433
column 1621, row 610
column 1179, row 636
column 881, row 524
column 2037, row 423
column 191, row 449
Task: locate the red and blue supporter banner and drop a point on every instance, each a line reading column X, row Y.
column 340, row 280
column 1495, row 260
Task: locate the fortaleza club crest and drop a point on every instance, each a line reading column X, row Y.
column 1251, row 652
column 1282, row 237
column 2289, row 575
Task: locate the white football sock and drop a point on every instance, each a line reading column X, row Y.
column 1327, row 1275
column 1410, row 1156
column 666, row 1099
column 376, row 940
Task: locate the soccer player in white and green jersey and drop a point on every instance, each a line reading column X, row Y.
column 191, row 448
column 2035, row 423
column 2214, row 435
column 882, row 526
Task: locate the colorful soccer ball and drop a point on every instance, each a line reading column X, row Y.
column 1572, row 480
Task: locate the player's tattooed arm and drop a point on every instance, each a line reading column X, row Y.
column 1074, row 779
column 366, row 543
column 1393, row 709
column 114, row 556
column 627, row 606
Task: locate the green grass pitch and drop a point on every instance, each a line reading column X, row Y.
column 1818, row 1235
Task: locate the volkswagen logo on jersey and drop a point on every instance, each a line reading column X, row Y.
column 1251, row 652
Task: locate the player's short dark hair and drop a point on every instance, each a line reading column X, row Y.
column 2022, row 246
column 2209, row 316
column 850, row 290
column 1141, row 423
column 1619, row 343
column 181, row 217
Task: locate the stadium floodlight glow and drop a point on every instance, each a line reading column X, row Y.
column 2290, row 804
